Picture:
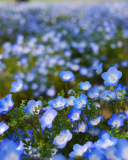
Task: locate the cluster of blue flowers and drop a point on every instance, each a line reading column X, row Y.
column 44, row 38
column 74, row 123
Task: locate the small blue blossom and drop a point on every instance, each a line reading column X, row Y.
column 111, row 77
column 95, row 121
column 67, row 75
column 80, row 102
column 80, row 127
column 85, row 85
column 94, row 154
column 6, row 104
column 30, row 76
column 24, row 60
column 74, row 115
column 51, row 92
column 108, row 95
column 61, row 140
column 121, row 114
column 116, row 121
column 58, row 103
column 70, row 101
column 94, row 93
column 17, row 86
column 3, row 127
column 83, row 71
column 105, row 141
column 79, row 150
column 32, row 105
column 120, row 91
column 94, row 131
column 47, row 118
column 99, row 68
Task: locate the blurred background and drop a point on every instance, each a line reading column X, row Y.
column 41, row 38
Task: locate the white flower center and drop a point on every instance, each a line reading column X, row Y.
column 112, row 78
column 116, row 123
column 107, row 143
column 66, row 77
column 81, row 103
column 75, row 116
column 12, row 156
column 119, row 95
column 94, row 132
column 80, row 152
column 49, row 118
column 95, row 121
column 94, row 95
column 58, row 104
column 70, row 102
column 9, row 104
column 18, row 86
column 61, row 139
column 81, row 128
column 106, row 98
column 85, row 87
column 94, row 157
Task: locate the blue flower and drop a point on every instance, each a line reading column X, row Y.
column 120, row 91
column 17, row 86
column 80, row 127
column 8, row 150
column 95, row 121
column 80, row 102
column 51, row 92
column 95, row 154
column 116, row 121
column 30, row 76
column 24, row 60
column 121, row 114
column 3, row 127
column 67, row 75
column 83, row 71
column 61, row 140
column 111, row 77
column 58, row 103
column 85, row 85
column 122, row 149
column 31, row 106
column 6, row 104
column 70, row 101
column 79, row 150
column 108, row 95
column 105, row 141
column 74, row 114
column 47, row 118
column 111, row 153
column 58, row 156
column 94, row 131
column 99, row 68
column 94, row 93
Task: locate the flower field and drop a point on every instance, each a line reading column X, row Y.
column 64, row 81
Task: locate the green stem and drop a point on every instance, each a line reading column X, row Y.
column 24, row 95
column 66, row 88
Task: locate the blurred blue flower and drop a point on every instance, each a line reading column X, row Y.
column 67, row 75
column 17, row 86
